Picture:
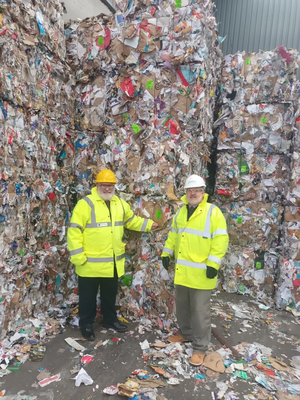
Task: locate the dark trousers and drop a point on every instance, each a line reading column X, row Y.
column 88, row 290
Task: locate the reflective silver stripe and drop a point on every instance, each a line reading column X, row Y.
column 169, row 251
column 73, row 225
column 98, row 225
column 77, row 251
column 173, row 230
column 100, row 260
column 175, row 220
column 130, row 219
column 214, row 259
column 123, row 209
column 186, row 263
column 91, row 204
column 206, row 232
column 118, row 258
column 219, row 232
column 119, row 223
column 144, row 226
column 192, row 231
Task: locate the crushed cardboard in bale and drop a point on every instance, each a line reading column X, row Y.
column 145, row 95
column 256, row 176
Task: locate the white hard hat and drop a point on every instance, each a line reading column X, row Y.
column 194, row 181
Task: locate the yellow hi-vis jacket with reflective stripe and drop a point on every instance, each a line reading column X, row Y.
column 202, row 241
column 95, row 235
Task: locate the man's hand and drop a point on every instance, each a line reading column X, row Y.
column 211, row 272
column 166, row 262
column 154, row 226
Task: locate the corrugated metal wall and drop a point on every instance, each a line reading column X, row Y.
column 253, row 25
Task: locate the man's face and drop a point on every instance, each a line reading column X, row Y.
column 106, row 190
column 195, row 195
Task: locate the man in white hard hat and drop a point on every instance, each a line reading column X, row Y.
column 198, row 240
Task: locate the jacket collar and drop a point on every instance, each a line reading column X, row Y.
column 97, row 197
column 202, row 204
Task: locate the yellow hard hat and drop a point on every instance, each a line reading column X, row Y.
column 106, row 176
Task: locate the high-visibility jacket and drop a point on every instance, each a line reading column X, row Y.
column 95, row 235
column 202, row 241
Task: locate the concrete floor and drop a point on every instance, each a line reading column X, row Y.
column 112, row 364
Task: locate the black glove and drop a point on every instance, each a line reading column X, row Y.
column 211, row 272
column 166, row 262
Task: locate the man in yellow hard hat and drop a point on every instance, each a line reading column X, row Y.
column 97, row 251
column 198, row 240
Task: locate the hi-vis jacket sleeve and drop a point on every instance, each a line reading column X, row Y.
column 79, row 219
column 169, row 249
column 135, row 223
column 220, row 239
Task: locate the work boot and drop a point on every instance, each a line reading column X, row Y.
column 88, row 334
column 197, row 359
column 123, row 324
column 117, row 326
column 177, row 339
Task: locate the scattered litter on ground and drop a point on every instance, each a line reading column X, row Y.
column 47, row 381
column 83, row 377
column 71, row 342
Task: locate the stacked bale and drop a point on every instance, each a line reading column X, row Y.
column 146, row 91
column 36, row 160
column 288, row 293
column 255, row 131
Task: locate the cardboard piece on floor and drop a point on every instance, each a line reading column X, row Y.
column 71, row 342
column 43, row 375
column 278, row 365
column 262, row 397
column 158, row 354
column 212, row 374
column 100, row 343
column 74, row 371
column 229, row 370
column 149, row 382
column 129, row 390
column 160, row 371
column 214, row 361
column 160, row 345
column 283, row 396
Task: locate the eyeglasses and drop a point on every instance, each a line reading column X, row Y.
column 197, row 190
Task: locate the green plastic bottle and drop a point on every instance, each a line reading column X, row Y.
column 244, row 167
